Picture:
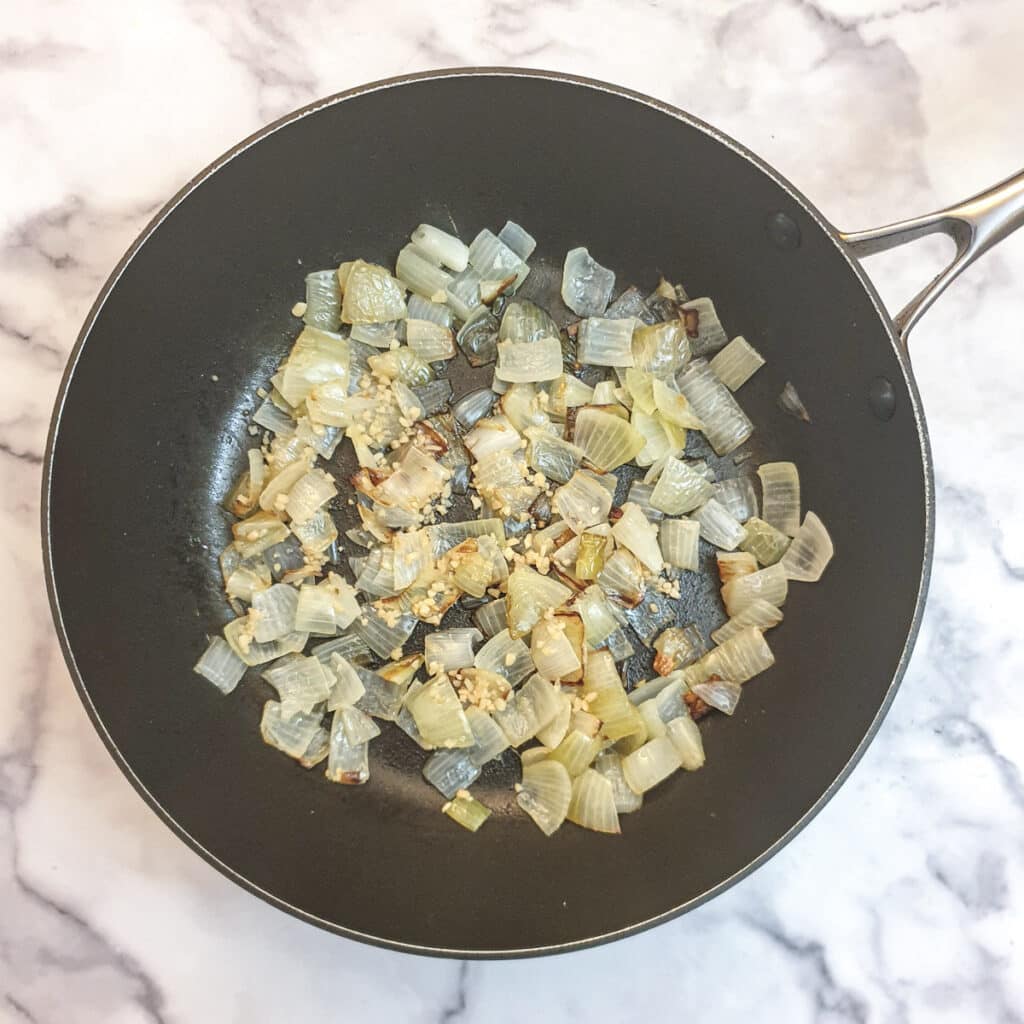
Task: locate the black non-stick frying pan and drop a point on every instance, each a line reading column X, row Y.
column 149, row 432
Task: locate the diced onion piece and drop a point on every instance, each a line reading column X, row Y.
column 380, row 636
column 661, row 349
column 545, row 698
column 441, row 247
column 420, row 308
column 372, row 296
column 680, row 489
column 317, row 533
column 736, row 363
column 767, row 585
column 505, row 654
column 635, row 531
column 347, row 687
column 412, row 554
column 586, row 285
column 555, row 730
column 544, row 794
column 619, row 718
column 316, row 357
column 439, row 716
column 323, row 300
column 592, row 804
column 347, row 763
column 607, row 441
column 719, row 694
column 685, row 738
column 529, row 361
column 810, row 552
column 489, row 741
column 703, row 328
column 359, row 727
column 492, row 435
column 733, row 564
column 556, row 458
column 416, row 481
column 308, row 493
column 609, row 764
column 763, row 541
column 590, row 555
column 790, row 402
column 472, row 408
column 416, row 271
column 598, row 619
column 465, row 810
column 576, row 751
column 673, row 407
column 274, row 610
column 551, row 650
column 291, row 734
column 448, row 771
column 740, row 658
column 622, row 578
column 525, row 321
column 652, row 763
column 718, row 527
column 577, row 393
column 376, row 335
column 492, row 258
column 780, row 486
column 449, row 649
column 220, row 665
column 520, row 241
column 239, row 635
column 491, row 618
column 346, row 605
column 430, row 341
column 680, row 545
column 726, row 425
column 315, row 613
column 582, row 502
column 518, row 719
column 603, row 342
column 758, row 612
column 445, row 536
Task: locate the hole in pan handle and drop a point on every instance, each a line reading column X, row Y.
column 975, row 225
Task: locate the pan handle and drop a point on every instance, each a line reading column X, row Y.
column 975, row 225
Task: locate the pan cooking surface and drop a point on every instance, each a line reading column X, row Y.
column 146, row 443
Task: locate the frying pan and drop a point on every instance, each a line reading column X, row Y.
column 149, row 431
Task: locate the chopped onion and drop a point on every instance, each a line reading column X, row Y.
column 679, row 540
column 607, row 441
column 529, row 361
column 274, row 612
column 443, row 248
column 308, row 493
column 622, row 578
column 767, row 585
column 577, row 393
column 316, row 357
column 582, row 502
column 619, row 718
column 291, row 734
column 489, row 741
column 780, row 486
column 432, row 398
column 381, row 697
column 763, row 541
column 576, row 751
column 703, row 327
column 598, row 619
column 552, row 734
column 638, row 534
column 609, row 764
column 740, row 658
column 684, row 737
column 736, row 363
column 350, row 647
column 524, row 322
column 592, row 804
column 492, row 435
column 725, row 424
column 430, row 341
column 416, row 480
column 733, row 564
column 790, row 401
column 465, row 810
column 680, row 489
column 810, row 552
column 720, row 695
column 380, row 636
column 654, row 762
column 517, row 239
column 449, row 649
column 551, row 650
column 661, row 349
column 758, row 612
column 472, row 408
column 491, row 618
column 518, row 719
column 273, row 419
column 604, row 342
column 718, row 527
column 323, row 300
column 544, row 794
column 439, row 716
column 376, row 335
column 493, row 259
column 586, row 285
column 478, row 338
column 421, row 276
column 673, row 408
column 220, row 665
column 448, row 771
column 678, row 647
column 346, row 763
column 372, row 296
column 505, row 654
column 738, row 495
column 314, row 612
column 359, row 727
column 347, row 688
column 420, row 308
column 556, row 458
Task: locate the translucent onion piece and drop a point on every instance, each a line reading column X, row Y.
column 275, row 493
column 630, row 304
column 445, row 536
column 381, row 697
column 449, row 649
column 381, row 637
column 661, row 349
column 347, row 764
column 314, row 613
column 740, row 658
column 680, row 489
column 420, row 308
column 273, row 419
column 492, row 258
column 607, row 440
column 555, row 730
column 532, row 361
column 359, row 727
column 507, row 655
column 576, row 751
column 544, row 794
column 478, row 338
column 590, row 555
column 635, row 531
column 718, row 527
column 679, row 540
column 292, row 734
column 350, row 647
column 472, row 408
column 467, row 811
column 420, row 275
column 725, row 424
column 308, row 493
column 657, row 443
column 430, row 341
column 407, row 723
column 622, row 578
column 552, row 652
column 654, row 762
column 672, row 407
column 684, row 736
column 239, row 635
column 556, row 458
column 640, row 494
column 609, row 764
column 416, row 480
column 518, row 720
column 316, row 357
column 492, row 435
column 582, row 502
column 780, row 487
column 412, row 554
column 491, row 618
column 347, row 688
column 720, row 695
column 619, row 718
column 733, row 564
column 401, row 364
column 736, row 363
column 577, row 393
column 810, row 552
column 376, row 575
column 649, row 690
column 220, row 665
column 443, row 248
column 434, row 397
column 678, row 647
column 376, row 335
column 525, row 321
column 346, row 606
column 654, row 724
column 738, row 495
column 440, row 718
column 764, row 542
column 790, row 401
column 592, row 804
column 489, row 741
column 598, row 618
column 317, row 533
column 274, row 612
column 533, row 755
column 650, row 616
column 517, row 239
column 545, row 698
column 586, row 285
column 703, row 328
column 372, row 296
column 448, row 771
column 604, row 342
column 767, row 585
column 758, row 612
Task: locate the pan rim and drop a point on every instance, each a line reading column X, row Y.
column 68, row 376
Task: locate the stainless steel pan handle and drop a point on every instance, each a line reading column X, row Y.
column 975, row 225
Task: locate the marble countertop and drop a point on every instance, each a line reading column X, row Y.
column 903, row 900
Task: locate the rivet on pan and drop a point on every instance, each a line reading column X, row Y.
column 882, row 398
column 782, row 230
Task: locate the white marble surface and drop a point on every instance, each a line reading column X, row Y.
column 903, row 900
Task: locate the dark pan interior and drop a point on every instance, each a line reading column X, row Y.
column 147, row 443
